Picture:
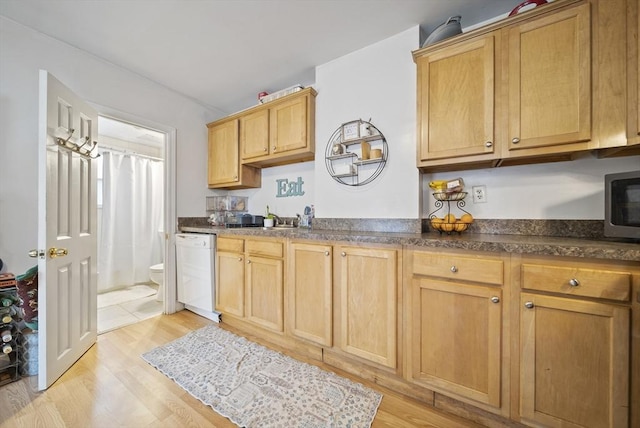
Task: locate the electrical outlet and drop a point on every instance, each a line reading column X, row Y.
column 479, row 194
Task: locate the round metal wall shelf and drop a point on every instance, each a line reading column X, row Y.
column 356, row 153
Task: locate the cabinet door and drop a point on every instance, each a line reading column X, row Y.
column 456, row 338
column 265, row 280
column 224, row 164
column 456, row 100
column 310, row 291
column 368, row 303
column 254, row 134
column 288, row 127
column 230, row 283
column 574, row 360
column 549, row 78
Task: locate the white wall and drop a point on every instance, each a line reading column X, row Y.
column 377, row 82
column 267, row 194
column 562, row 190
column 22, row 53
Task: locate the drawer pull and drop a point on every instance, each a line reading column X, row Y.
column 574, row 282
column 495, row 299
column 454, row 269
column 515, row 140
column 528, row 305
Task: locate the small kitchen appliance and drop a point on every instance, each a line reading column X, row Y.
column 244, row 220
column 622, row 205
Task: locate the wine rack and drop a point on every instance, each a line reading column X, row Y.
column 10, row 335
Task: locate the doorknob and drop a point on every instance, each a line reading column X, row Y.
column 57, row 252
column 36, row 253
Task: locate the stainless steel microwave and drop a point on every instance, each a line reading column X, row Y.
column 622, row 205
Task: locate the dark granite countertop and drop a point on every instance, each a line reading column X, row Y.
column 522, row 244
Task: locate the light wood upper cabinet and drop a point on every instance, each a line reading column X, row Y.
column 549, row 81
column 456, row 102
column 224, row 168
column 367, row 317
column 279, row 132
column 310, row 292
column 288, row 121
column 565, row 81
column 254, row 134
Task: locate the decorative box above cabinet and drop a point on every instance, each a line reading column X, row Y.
column 279, row 132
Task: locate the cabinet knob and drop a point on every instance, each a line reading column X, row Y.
column 454, row 269
column 235, row 177
column 343, row 254
column 326, row 253
column 495, row 299
column 515, row 140
column 488, row 144
column 273, row 148
column 265, row 149
column 528, row 305
column 574, row 282
column 248, row 262
column 239, row 259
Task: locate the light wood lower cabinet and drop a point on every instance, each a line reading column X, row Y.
column 458, row 328
column 574, row 358
column 455, row 325
column 310, row 292
column 230, row 276
column 264, row 279
column 367, row 303
column 574, row 342
column 250, row 280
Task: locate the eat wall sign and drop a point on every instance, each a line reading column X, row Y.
column 286, row 188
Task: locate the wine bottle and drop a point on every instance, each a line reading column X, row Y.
column 6, row 335
column 7, row 348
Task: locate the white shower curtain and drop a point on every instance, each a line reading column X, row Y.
column 131, row 221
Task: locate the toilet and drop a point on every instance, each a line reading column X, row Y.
column 156, row 274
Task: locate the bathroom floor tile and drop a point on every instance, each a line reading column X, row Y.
column 144, row 308
column 113, row 317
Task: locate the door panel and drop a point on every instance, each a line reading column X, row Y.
column 67, row 213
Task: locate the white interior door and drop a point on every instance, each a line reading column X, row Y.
column 67, row 214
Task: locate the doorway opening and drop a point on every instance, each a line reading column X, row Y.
column 131, row 219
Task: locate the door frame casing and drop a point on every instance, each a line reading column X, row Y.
column 170, row 304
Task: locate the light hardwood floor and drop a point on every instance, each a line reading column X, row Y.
column 112, row 386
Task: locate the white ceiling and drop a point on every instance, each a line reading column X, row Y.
column 222, row 53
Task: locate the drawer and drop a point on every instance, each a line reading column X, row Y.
column 232, row 245
column 453, row 266
column 265, row 248
column 600, row 283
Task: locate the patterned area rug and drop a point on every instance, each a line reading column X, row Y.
column 256, row 387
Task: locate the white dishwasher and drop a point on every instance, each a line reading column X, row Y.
column 195, row 267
